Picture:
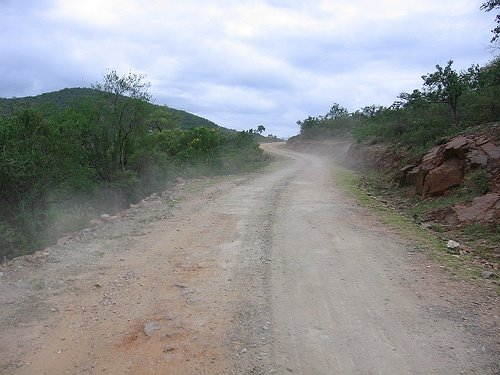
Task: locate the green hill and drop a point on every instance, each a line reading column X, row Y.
column 66, row 97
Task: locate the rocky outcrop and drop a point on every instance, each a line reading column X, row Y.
column 482, row 209
column 445, row 166
column 440, row 179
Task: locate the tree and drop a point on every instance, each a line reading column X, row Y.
column 163, row 119
column 416, row 100
column 336, row 111
column 39, row 156
column 127, row 100
column 203, row 144
column 369, row 111
column 309, row 123
column 445, row 86
column 487, row 7
column 260, row 129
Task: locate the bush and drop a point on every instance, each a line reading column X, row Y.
column 479, row 181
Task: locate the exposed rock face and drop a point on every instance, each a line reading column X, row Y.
column 446, row 165
column 483, row 209
column 443, row 168
column 439, row 179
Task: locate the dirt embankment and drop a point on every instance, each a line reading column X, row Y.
column 273, row 273
column 464, row 169
column 443, row 168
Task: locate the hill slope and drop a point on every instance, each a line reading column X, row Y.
column 66, row 97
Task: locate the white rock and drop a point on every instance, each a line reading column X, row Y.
column 151, row 327
column 452, row 244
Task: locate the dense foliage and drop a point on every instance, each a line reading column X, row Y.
column 63, row 163
column 448, row 102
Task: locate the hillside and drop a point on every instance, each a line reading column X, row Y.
column 66, row 97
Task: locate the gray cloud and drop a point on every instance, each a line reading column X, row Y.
column 242, row 63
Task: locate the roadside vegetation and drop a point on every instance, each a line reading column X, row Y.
column 67, row 158
column 449, row 103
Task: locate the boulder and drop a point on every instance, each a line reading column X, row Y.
column 457, row 147
column 483, row 209
column 477, row 158
column 481, row 140
column 418, row 175
column 442, row 168
column 491, row 149
column 446, row 165
column 442, row 178
column 452, row 244
column 433, row 158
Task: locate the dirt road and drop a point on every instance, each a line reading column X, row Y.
column 277, row 272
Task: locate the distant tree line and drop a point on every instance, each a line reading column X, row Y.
column 60, row 167
column 448, row 102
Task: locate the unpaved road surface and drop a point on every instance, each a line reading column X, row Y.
column 273, row 273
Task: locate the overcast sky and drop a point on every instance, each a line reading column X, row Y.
column 242, row 63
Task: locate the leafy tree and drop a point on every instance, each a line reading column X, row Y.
column 203, row 144
column 487, row 7
column 309, row 123
column 163, row 119
column 95, row 139
column 369, row 111
column 127, row 99
column 482, row 103
column 489, row 75
column 414, row 100
column 38, row 156
column 336, row 112
column 260, row 129
column 445, row 85
column 335, row 123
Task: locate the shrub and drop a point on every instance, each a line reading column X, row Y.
column 479, row 181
